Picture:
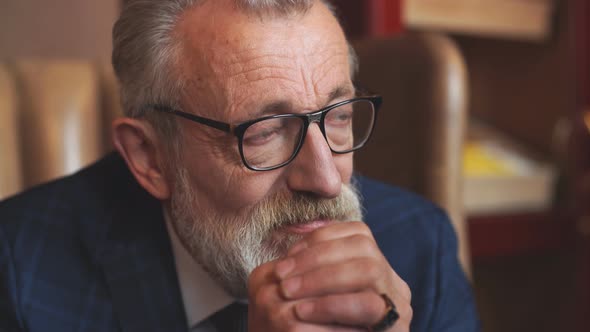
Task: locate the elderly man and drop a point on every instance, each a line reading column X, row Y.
column 230, row 205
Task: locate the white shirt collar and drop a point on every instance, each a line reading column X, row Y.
column 201, row 295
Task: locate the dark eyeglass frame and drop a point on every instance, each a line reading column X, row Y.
column 308, row 118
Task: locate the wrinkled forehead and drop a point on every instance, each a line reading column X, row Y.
column 231, row 56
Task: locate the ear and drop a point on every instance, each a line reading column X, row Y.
column 138, row 144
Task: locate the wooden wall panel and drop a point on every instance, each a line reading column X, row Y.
column 582, row 37
column 56, row 28
column 376, row 18
column 523, row 88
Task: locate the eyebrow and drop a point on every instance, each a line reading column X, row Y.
column 278, row 106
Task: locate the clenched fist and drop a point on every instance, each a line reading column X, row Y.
column 331, row 280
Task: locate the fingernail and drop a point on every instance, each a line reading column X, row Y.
column 297, row 248
column 284, row 267
column 304, row 309
column 290, row 286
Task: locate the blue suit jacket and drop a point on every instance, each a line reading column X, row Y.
column 90, row 252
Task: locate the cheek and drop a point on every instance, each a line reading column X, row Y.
column 245, row 190
column 231, row 191
column 217, row 176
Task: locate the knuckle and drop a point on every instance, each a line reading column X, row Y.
column 405, row 311
column 258, row 271
column 365, row 244
column 371, row 268
column 363, row 228
column 280, row 316
column 407, row 291
column 257, row 274
column 374, row 307
column 309, row 257
column 264, row 296
column 362, row 243
column 252, row 281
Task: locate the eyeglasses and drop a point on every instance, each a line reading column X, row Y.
column 273, row 141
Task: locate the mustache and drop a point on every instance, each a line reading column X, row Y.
column 293, row 208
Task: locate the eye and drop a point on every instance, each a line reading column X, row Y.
column 339, row 117
column 263, row 132
column 259, row 137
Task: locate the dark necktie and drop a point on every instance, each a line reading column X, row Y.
column 233, row 318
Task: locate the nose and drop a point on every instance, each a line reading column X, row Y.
column 313, row 170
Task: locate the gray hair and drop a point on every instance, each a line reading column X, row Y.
column 145, row 52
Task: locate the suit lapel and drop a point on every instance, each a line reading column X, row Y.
column 137, row 261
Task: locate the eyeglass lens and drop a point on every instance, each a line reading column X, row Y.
column 274, row 141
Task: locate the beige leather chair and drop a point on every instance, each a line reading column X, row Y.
column 110, row 102
column 10, row 166
column 418, row 138
column 60, row 120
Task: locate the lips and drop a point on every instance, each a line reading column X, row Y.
column 308, row 227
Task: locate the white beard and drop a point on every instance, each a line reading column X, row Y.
column 230, row 247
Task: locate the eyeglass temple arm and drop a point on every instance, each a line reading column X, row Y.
column 208, row 122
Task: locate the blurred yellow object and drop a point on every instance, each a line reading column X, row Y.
column 478, row 161
column 500, row 176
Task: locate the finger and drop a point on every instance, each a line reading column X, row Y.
column 349, row 276
column 354, row 309
column 303, row 327
column 260, row 276
column 331, row 232
column 328, row 252
column 352, row 276
column 267, row 297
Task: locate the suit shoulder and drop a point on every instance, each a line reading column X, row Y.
column 385, row 205
column 413, row 234
column 37, row 200
column 59, row 204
